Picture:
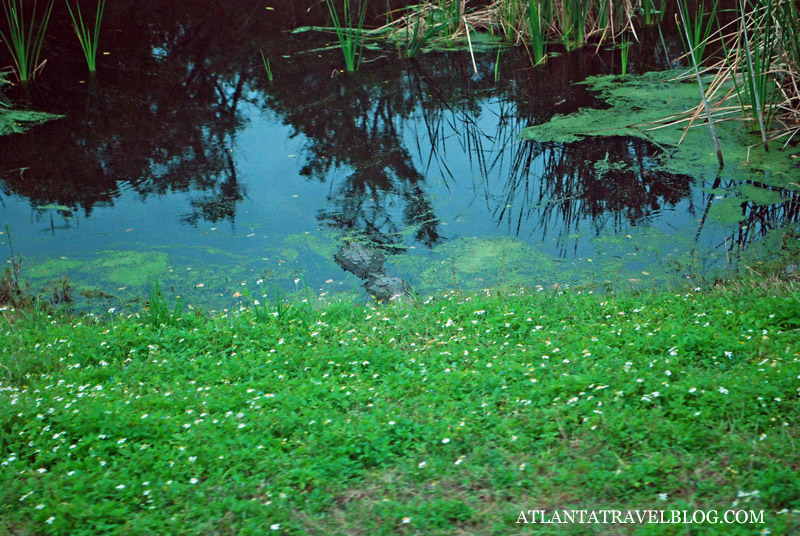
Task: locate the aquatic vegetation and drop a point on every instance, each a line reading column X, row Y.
column 267, row 67
column 533, row 23
column 25, row 37
column 12, row 291
column 696, row 32
column 349, row 29
column 624, row 50
column 88, row 40
column 13, row 121
column 538, row 15
column 159, row 310
column 760, row 70
column 639, row 106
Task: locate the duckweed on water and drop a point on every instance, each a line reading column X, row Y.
column 447, row 417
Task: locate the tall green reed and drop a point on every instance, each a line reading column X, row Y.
column 624, row 49
column 25, row 38
column 573, row 23
column 160, row 311
column 697, row 28
column 267, row 67
column 539, row 15
column 87, row 38
column 759, row 57
column 694, row 41
column 349, row 30
column 652, row 13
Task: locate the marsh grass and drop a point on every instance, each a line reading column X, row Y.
column 445, row 417
column 13, row 292
column 533, row 23
column 624, row 50
column 267, row 66
column 759, row 72
column 25, row 36
column 349, row 29
column 538, row 13
column 160, row 312
column 88, row 39
column 696, row 31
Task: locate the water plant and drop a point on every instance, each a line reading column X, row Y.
column 652, row 13
column 697, row 27
column 88, row 39
column 160, row 312
column 538, row 15
column 760, row 68
column 350, row 31
column 572, row 20
column 624, row 49
column 12, row 292
column 267, row 67
column 696, row 33
column 25, row 37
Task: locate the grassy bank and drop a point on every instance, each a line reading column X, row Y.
column 443, row 418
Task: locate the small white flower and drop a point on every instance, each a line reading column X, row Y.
column 663, row 496
column 446, row 440
column 39, row 506
column 422, row 464
column 406, row 520
column 121, row 486
column 50, row 520
column 275, row 526
column 193, row 481
column 723, row 390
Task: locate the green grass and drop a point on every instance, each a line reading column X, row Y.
column 88, row 40
column 349, row 29
column 25, row 36
column 449, row 417
column 267, row 67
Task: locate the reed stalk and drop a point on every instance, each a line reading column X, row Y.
column 753, row 77
column 88, row 40
column 267, row 67
column 688, row 33
column 539, row 15
column 25, row 38
column 624, row 49
column 349, row 30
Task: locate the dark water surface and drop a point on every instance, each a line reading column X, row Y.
column 181, row 162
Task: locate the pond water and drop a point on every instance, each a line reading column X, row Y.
column 181, row 162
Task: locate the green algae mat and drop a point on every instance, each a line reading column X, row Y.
column 638, row 106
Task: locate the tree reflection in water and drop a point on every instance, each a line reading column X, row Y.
column 166, row 112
